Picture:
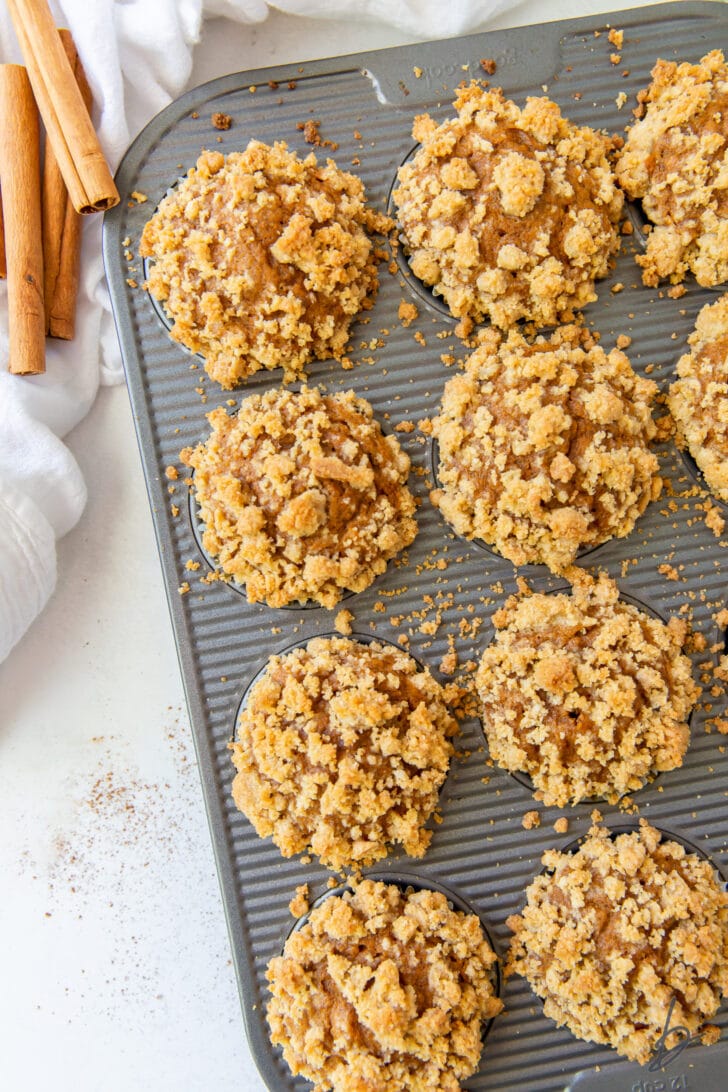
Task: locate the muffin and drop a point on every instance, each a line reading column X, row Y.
column 586, row 694
column 263, row 260
column 509, row 213
column 383, row 989
column 301, row 495
column 615, row 933
column 543, row 446
column 342, row 748
column 699, row 398
column 674, row 161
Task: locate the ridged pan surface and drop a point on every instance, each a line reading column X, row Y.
column 480, row 851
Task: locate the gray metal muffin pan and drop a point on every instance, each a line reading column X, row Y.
column 480, row 850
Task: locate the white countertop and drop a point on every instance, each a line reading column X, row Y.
column 115, row 970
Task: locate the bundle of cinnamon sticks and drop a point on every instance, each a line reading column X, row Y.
column 40, row 217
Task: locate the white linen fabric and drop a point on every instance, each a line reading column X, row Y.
column 137, row 55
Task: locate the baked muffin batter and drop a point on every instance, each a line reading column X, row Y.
column 586, row 694
column 509, row 213
column 384, row 990
column 699, row 398
column 675, row 161
column 262, row 260
column 342, row 748
column 616, row 932
column 543, row 446
column 301, row 495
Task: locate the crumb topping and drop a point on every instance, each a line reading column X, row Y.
column 699, row 398
column 674, row 160
column 509, row 213
column 543, row 446
column 586, row 694
column 262, row 260
column 617, row 931
column 301, row 495
column 342, row 748
column 383, row 989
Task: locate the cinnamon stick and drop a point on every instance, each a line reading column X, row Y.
column 20, row 174
column 3, row 263
column 61, row 226
column 66, row 119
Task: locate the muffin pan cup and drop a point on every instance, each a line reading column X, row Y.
column 441, row 593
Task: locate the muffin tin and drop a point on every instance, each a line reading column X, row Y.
column 480, row 851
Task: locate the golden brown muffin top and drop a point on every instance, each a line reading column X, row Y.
column 674, row 160
column 699, row 398
column 301, row 495
column 342, row 747
column 262, row 260
column 586, row 694
column 509, row 213
column 383, row 989
column 616, row 932
column 543, row 446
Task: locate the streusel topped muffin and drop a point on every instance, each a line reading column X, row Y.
column 509, row 213
column 699, row 398
column 383, row 989
column 301, row 495
column 585, row 693
column 674, row 161
column 263, row 260
column 619, row 932
column 544, row 446
column 342, row 748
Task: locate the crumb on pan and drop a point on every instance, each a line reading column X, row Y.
column 301, row 495
column 698, row 400
column 263, row 260
column 617, row 932
column 299, row 904
column 221, row 121
column 585, row 693
column 674, row 161
column 509, row 213
column 543, row 446
column 383, row 989
column 343, row 622
column 531, row 820
column 341, row 748
column 407, row 313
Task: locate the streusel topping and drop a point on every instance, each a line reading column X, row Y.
column 383, row 989
column 616, row 932
column 509, row 213
column 263, row 260
column 342, row 748
column 301, row 495
column 543, row 446
column 674, row 160
column 699, row 398
column 585, row 693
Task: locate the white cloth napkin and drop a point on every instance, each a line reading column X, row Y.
column 137, row 55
